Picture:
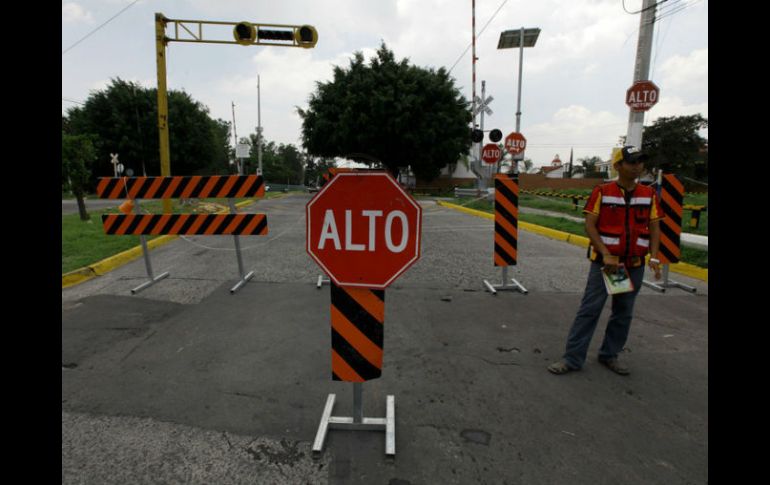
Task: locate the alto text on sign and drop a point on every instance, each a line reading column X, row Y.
column 642, row 95
column 491, row 153
column 515, row 143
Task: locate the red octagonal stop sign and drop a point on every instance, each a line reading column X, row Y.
column 642, row 95
column 363, row 229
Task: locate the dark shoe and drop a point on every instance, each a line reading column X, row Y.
column 560, row 367
column 615, row 366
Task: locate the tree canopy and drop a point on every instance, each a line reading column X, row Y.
column 387, row 110
column 124, row 116
column 674, row 144
column 78, row 155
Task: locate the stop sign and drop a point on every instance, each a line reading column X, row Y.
column 642, row 95
column 515, row 143
column 363, row 229
column 491, row 153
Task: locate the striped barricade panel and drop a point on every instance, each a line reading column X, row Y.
column 357, row 316
column 671, row 197
column 181, row 187
column 506, row 219
column 186, row 224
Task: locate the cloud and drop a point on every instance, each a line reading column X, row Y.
column 686, row 75
column 71, row 12
column 577, row 127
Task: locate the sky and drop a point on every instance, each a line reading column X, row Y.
column 573, row 84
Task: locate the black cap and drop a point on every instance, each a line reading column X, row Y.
column 629, row 154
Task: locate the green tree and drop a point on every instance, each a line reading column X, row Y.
column 316, row 168
column 125, row 118
column 674, row 144
column 390, row 111
column 589, row 167
column 78, row 155
column 281, row 163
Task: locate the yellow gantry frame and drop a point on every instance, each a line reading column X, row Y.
column 160, row 46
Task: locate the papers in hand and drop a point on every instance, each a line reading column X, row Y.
column 619, row 282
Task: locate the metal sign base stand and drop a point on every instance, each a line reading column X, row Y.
column 668, row 284
column 246, row 278
column 516, row 286
column 358, row 422
column 321, row 281
column 147, row 264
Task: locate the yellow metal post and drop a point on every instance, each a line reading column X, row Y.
column 165, row 158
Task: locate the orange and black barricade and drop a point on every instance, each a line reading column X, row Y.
column 506, row 219
column 506, row 230
column 671, row 194
column 183, row 187
column 671, row 198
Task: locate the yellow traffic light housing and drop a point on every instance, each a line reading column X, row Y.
column 245, row 33
column 306, row 36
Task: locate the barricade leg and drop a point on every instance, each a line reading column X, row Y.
column 147, row 263
column 668, row 284
column 244, row 278
column 504, row 286
column 321, row 281
column 357, row 422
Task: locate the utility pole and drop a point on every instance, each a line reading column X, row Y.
column 641, row 69
column 259, row 130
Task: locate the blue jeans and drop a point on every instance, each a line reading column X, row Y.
column 587, row 317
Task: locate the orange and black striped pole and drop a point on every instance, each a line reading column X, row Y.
column 671, row 195
column 506, row 229
column 357, row 318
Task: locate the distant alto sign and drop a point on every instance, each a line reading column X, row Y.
column 642, row 95
column 491, row 153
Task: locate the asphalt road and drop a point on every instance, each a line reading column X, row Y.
column 186, row 383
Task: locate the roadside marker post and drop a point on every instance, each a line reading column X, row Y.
column 506, row 231
column 183, row 187
column 671, row 195
column 364, row 230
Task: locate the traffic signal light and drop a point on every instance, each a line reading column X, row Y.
column 495, row 135
column 245, row 33
column 477, row 135
column 307, row 36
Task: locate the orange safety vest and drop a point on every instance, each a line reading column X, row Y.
column 625, row 227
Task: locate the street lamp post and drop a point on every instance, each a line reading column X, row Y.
column 520, row 38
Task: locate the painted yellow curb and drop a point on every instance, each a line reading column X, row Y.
column 682, row 268
column 108, row 264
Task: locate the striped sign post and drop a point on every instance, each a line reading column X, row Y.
column 364, row 231
column 184, row 187
column 506, row 230
column 671, row 195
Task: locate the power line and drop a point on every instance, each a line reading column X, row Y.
column 480, row 32
column 642, row 10
column 72, row 101
column 93, row 31
column 670, row 12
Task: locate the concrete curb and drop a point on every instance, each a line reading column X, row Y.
column 682, row 268
column 108, row 264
